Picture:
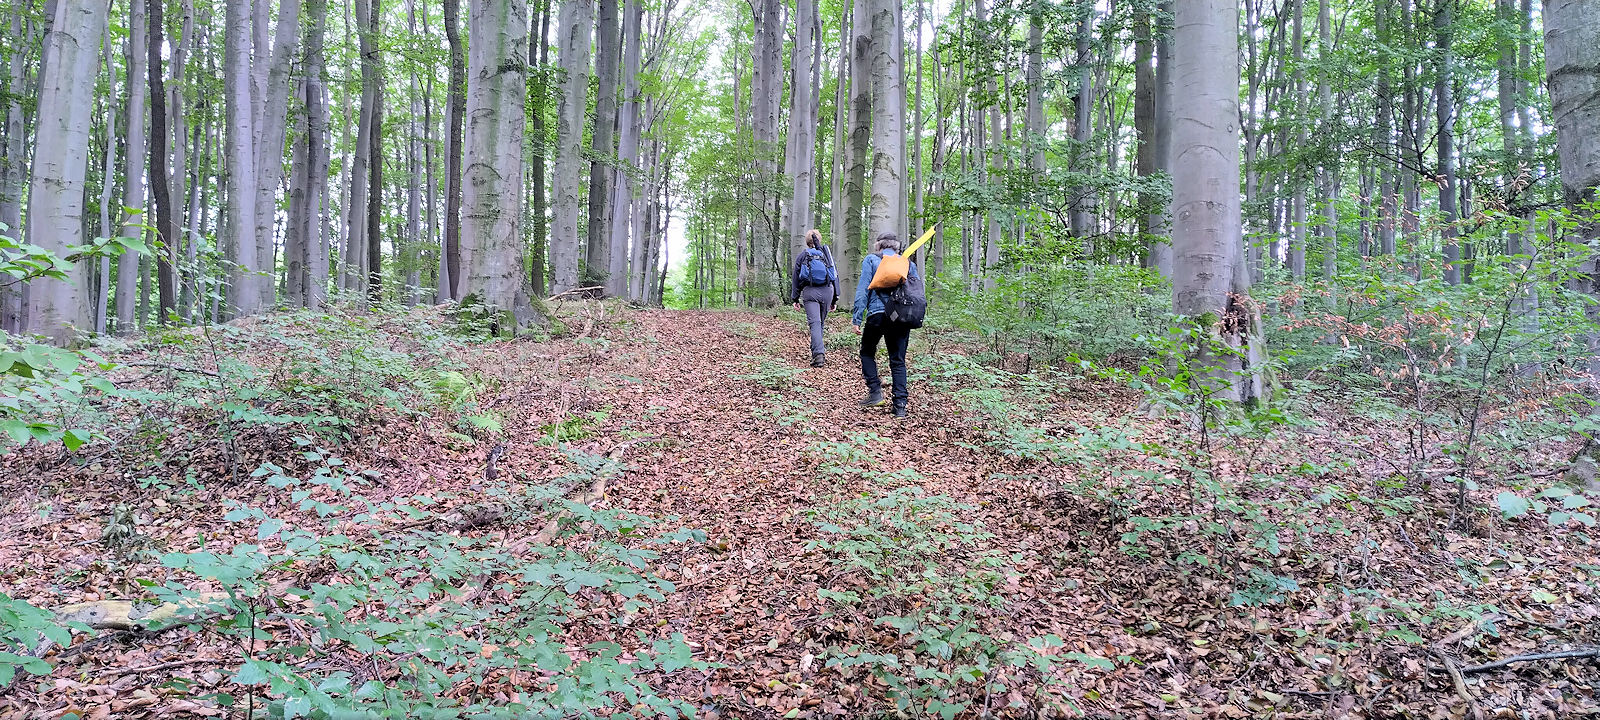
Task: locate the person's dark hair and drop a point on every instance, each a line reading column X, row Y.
column 814, row 239
column 886, row 241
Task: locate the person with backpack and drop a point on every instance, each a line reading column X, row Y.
column 815, row 291
column 890, row 303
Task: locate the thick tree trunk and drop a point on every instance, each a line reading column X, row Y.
column 576, row 25
column 271, row 124
column 58, row 309
column 597, row 256
column 889, row 122
column 1572, row 59
column 14, row 164
column 491, row 236
column 1210, row 283
column 622, row 208
column 134, row 157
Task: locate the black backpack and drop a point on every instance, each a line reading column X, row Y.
column 906, row 304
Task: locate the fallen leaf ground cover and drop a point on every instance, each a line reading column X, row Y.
column 1022, row 546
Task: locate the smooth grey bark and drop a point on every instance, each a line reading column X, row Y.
column 628, row 119
column 1210, row 280
column 134, row 164
column 356, row 206
column 1297, row 236
column 1328, row 174
column 597, row 256
column 491, row 233
column 238, row 236
column 801, row 154
column 1083, row 213
column 58, row 309
column 1445, row 111
column 1572, row 61
column 884, row 214
column 849, row 246
column 108, row 165
column 539, row 60
column 1383, row 135
column 841, row 119
column 638, row 272
column 766, row 88
column 414, row 152
column 271, row 125
column 991, row 246
column 576, row 25
column 450, row 271
column 14, row 162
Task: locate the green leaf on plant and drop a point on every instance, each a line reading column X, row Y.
column 1512, row 504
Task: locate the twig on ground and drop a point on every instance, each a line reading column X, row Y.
column 178, row 368
column 164, row 666
column 574, row 291
column 1459, row 682
column 1581, row 653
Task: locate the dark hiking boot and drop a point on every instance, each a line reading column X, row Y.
column 900, row 411
column 819, row 359
column 874, row 399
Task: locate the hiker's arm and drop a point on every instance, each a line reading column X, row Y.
column 859, row 314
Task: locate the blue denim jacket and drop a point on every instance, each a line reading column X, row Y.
column 869, row 302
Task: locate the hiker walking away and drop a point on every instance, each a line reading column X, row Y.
column 815, row 290
column 890, row 303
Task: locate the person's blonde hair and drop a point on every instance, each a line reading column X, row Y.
column 814, row 239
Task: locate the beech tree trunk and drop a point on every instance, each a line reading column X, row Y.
column 576, row 24
column 166, row 213
column 134, row 161
column 889, row 122
column 14, row 164
column 59, row 309
column 622, row 209
column 238, row 238
column 860, row 124
column 450, row 248
column 802, row 131
column 491, row 232
column 1445, row 111
column 597, row 256
column 766, row 88
column 1210, row 280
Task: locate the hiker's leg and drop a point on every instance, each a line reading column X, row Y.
column 870, row 334
column 897, row 340
column 814, row 315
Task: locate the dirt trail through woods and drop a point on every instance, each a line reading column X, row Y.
column 740, row 468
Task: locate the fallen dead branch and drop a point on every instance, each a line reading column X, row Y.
column 165, row 666
column 133, row 615
column 1581, row 653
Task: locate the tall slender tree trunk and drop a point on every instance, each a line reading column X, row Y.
column 14, row 167
column 1210, row 281
column 374, row 250
column 450, row 251
column 860, row 124
column 538, row 149
column 1083, row 212
column 1297, row 238
column 841, row 119
column 359, row 197
column 606, row 47
column 239, row 243
column 1328, row 173
column 134, row 157
column 1443, row 89
column 166, row 214
column 566, row 246
column 766, row 88
column 802, row 129
column 108, row 168
column 1383, row 136
column 622, row 207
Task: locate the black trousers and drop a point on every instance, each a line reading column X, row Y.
column 895, row 338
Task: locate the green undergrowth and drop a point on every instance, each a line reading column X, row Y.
column 454, row 618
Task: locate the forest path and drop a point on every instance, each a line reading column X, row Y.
column 753, row 462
